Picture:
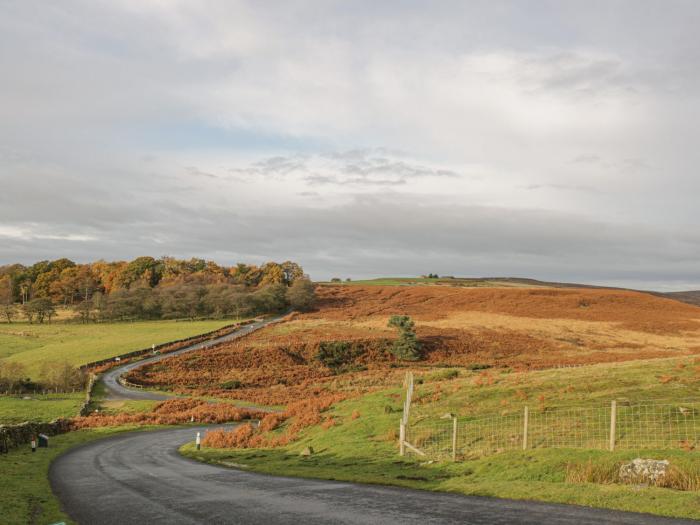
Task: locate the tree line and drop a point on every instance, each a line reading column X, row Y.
column 149, row 288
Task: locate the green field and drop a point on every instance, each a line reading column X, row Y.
column 39, row 407
column 365, row 448
column 33, row 345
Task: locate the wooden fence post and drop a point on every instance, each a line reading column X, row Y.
column 454, row 438
column 526, row 417
column 613, row 422
column 402, row 438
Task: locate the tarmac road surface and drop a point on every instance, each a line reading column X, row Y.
column 139, row 478
column 115, row 390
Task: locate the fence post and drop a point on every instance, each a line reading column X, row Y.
column 454, row 438
column 613, row 422
column 526, row 417
column 402, row 438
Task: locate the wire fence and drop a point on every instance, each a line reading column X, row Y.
column 641, row 425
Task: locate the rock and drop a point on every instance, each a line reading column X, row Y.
column 307, row 451
column 643, row 470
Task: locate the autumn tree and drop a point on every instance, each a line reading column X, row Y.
column 44, row 283
column 301, row 295
column 62, row 376
column 272, row 273
column 292, row 271
column 270, row 298
column 12, row 375
column 6, row 296
column 7, row 307
column 39, row 310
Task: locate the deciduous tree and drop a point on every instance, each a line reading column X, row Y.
column 301, row 295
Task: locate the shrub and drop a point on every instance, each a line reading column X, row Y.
column 335, row 354
column 231, row 385
column 444, row 375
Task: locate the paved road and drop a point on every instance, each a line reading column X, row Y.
column 116, row 391
column 140, row 478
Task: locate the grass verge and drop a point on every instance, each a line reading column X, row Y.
column 26, row 496
column 357, row 441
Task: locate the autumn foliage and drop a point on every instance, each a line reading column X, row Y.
column 172, row 412
column 344, row 348
column 298, row 416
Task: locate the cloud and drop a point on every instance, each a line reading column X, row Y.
column 371, row 232
column 349, row 168
column 362, row 138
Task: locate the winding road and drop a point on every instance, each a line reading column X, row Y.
column 140, row 477
column 115, row 390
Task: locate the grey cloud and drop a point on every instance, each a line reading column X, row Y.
column 193, row 170
column 374, row 232
column 350, row 168
column 563, row 187
column 353, row 134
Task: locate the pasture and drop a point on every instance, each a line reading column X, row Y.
column 35, row 345
column 38, row 407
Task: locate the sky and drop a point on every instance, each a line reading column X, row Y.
column 545, row 139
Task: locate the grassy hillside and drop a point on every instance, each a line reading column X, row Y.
column 357, row 439
column 34, row 345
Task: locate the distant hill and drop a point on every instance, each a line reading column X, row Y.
column 688, row 297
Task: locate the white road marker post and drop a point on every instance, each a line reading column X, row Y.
column 198, row 440
column 33, row 444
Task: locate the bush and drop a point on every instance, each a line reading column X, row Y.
column 444, row 375
column 231, row 385
column 335, row 354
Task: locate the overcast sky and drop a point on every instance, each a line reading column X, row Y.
column 554, row 140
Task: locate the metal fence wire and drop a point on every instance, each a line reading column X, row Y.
column 618, row 425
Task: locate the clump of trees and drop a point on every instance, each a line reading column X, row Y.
column 407, row 346
column 58, row 376
column 38, row 310
column 148, row 288
column 301, row 295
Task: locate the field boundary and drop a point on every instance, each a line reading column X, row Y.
column 619, row 425
column 159, row 347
